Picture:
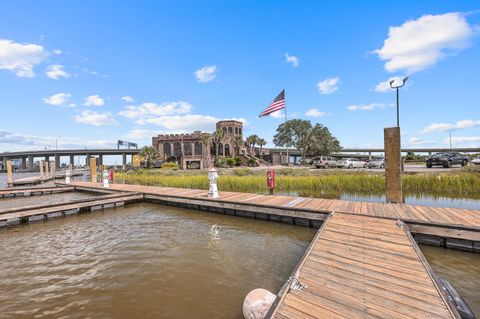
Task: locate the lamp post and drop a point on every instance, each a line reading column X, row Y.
column 397, row 87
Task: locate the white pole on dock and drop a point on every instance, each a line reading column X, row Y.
column 9, row 174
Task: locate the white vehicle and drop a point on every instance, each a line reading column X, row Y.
column 351, row 163
column 476, row 161
column 324, row 161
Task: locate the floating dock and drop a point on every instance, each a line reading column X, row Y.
column 362, row 267
column 438, row 226
column 362, row 263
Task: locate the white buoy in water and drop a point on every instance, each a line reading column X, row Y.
column 257, row 303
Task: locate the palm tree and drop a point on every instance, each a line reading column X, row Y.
column 237, row 142
column 217, row 138
column 251, row 141
column 261, row 142
column 205, row 141
column 150, row 153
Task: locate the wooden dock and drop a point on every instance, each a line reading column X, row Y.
column 15, row 192
column 449, row 227
column 362, row 267
column 362, row 263
column 43, row 212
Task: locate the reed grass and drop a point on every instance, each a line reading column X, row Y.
column 462, row 184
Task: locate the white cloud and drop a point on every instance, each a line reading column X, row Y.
column 20, row 58
column 17, row 141
column 56, row 71
column 328, row 86
column 127, row 99
column 292, row 59
column 277, row 114
column 475, row 140
column 141, row 134
column 58, row 99
column 95, row 118
column 366, row 107
column 206, row 74
column 420, row 44
column 416, row 141
column 441, row 127
column 385, row 86
column 57, row 52
column 314, row 113
column 152, row 109
column 184, row 123
column 94, row 100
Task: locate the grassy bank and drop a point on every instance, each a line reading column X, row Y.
column 455, row 184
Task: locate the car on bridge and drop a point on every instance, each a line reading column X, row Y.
column 446, row 159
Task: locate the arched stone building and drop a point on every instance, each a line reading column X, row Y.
column 197, row 150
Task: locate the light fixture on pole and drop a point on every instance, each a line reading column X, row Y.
column 397, row 87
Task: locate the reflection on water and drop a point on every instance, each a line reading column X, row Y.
column 462, row 269
column 143, row 261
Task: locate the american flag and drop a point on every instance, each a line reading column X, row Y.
column 277, row 104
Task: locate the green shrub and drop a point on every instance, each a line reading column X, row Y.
column 230, row 161
column 251, row 162
column 170, row 166
column 238, row 161
column 242, row 171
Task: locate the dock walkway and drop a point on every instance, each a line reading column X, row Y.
column 363, row 267
column 454, row 223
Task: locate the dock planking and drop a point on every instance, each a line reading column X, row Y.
column 15, row 192
column 362, row 267
column 362, row 263
column 29, row 214
column 465, row 218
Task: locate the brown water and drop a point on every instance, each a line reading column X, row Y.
column 21, row 201
column 143, row 261
column 461, row 269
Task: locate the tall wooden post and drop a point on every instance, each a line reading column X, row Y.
column 393, row 165
column 9, row 174
column 93, row 169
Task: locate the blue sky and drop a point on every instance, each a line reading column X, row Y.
column 87, row 73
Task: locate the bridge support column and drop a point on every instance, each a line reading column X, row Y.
column 393, row 162
column 24, row 163
column 57, row 161
column 31, row 164
column 124, row 161
column 47, row 159
column 100, row 160
column 87, row 160
column 369, row 155
column 72, row 160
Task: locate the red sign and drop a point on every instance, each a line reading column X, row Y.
column 110, row 175
column 271, row 178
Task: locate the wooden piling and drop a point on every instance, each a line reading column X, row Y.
column 9, row 173
column 393, row 168
column 93, row 169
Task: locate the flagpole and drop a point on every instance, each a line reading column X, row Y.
column 288, row 159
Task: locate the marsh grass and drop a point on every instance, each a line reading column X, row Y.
column 463, row 183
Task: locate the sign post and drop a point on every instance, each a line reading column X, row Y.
column 271, row 180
